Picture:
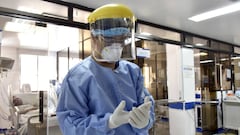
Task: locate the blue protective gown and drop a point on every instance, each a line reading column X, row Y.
column 90, row 93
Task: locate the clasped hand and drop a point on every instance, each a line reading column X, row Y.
column 137, row 117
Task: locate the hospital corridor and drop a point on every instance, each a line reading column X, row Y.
column 85, row 67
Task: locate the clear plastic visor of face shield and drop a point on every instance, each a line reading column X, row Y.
column 113, row 39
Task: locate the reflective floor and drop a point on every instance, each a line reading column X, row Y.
column 225, row 132
column 161, row 127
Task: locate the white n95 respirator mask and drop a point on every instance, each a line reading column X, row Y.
column 112, row 53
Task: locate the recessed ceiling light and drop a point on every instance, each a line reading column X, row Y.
column 188, row 46
column 146, row 33
column 217, row 12
column 206, row 61
column 199, row 44
column 201, row 54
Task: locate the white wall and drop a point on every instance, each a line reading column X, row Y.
column 188, row 74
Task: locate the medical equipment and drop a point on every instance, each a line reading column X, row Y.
column 6, row 64
column 31, row 116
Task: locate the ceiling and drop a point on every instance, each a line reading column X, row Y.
column 175, row 14
column 170, row 13
column 28, row 35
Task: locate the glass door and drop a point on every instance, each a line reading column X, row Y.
column 155, row 80
column 213, row 79
column 154, row 68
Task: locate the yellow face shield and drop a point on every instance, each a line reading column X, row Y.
column 112, row 31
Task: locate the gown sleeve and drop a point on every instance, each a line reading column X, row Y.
column 72, row 112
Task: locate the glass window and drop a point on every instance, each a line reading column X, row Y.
column 46, row 71
column 236, row 71
column 220, row 46
column 212, row 71
column 74, row 56
column 63, row 65
column 50, row 9
column 165, row 34
column 86, row 43
column 35, row 73
column 28, row 72
column 196, row 41
column 80, row 15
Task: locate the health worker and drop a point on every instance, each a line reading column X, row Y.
column 104, row 94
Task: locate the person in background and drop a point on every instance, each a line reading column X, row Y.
column 104, row 94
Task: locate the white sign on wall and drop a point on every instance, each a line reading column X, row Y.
column 144, row 53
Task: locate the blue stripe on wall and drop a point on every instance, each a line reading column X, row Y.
column 177, row 105
column 189, row 105
column 180, row 105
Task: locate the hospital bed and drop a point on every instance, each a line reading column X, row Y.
column 32, row 117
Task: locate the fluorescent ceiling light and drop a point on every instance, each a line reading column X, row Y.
column 201, row 54
column 188, row 46
column 206, row 61
column 199, row 44
column 234, row 58
column 217, row 12
column 146, row 33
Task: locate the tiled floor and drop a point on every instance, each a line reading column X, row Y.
column 228, row 132
column 160, row 128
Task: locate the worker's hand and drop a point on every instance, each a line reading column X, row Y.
column 139, row 117
column 119, row 116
